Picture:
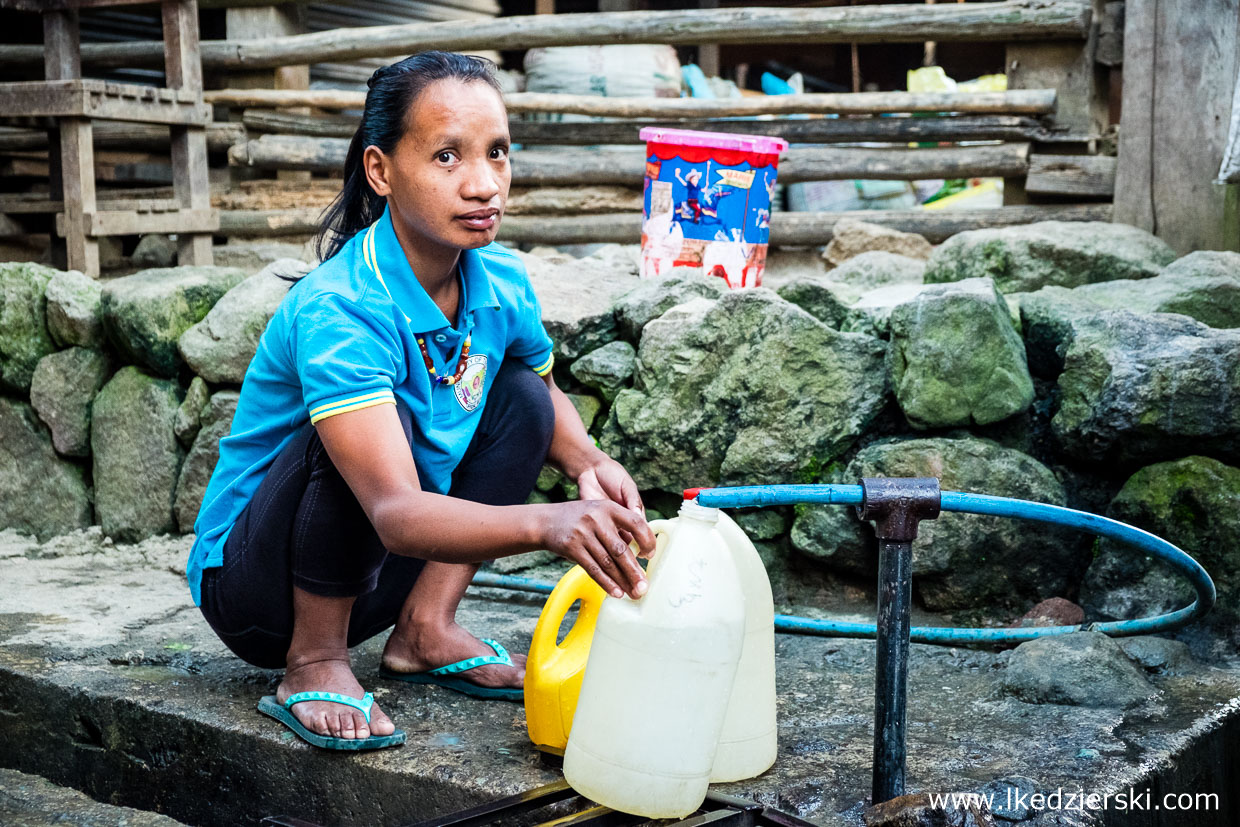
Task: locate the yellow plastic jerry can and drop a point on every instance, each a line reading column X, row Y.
column 553, row 671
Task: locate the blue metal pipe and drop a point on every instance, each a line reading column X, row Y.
column 964, row 503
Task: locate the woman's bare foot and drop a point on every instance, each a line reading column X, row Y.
column 330, row 672
column 417, row 647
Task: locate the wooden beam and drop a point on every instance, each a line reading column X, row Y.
column 789, row 229
column 1079, row 175
column 90, row 98
column 1022, row 102
column 808, row 131
column 627, row 166
column 121, row 135
column 1004, row 21
column 1180, row 65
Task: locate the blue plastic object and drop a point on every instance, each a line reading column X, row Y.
column 964, row 503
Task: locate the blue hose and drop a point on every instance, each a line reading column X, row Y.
column 964, row 503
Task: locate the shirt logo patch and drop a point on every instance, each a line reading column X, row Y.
column 473, row 380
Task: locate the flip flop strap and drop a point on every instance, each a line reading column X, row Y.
column 500, row 657
column 362, row 706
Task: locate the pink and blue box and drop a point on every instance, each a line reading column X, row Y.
column 707, row 203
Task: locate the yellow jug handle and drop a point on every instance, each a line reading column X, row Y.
column 573, row 586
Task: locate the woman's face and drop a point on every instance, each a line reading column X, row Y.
column 447, row 179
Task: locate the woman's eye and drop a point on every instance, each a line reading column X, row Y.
column 445, row 157
column 499, row 153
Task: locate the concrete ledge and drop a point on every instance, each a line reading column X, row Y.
column 110, row 682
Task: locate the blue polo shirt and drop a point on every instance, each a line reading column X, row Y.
column 345, row 338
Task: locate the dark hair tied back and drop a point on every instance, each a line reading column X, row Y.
column 392, row 91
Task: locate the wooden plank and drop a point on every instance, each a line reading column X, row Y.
column 248, row 223
column 1134, row 191
column 125, row 222
column 810, row 130
column 76, row 170
column 792, row 229
column 627, row 166
column 98, row 99
column 1024, row 101
column 1068, row 67
column 1180, row 65
column 121, row 135
column 573, row 200
column 1003, row 21
column 1081, row 175
column 189, row 143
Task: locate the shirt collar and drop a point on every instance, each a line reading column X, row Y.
column 386, row 260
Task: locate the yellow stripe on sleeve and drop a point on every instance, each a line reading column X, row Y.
column 545, row 367
column 370, row 403
column 365, row 397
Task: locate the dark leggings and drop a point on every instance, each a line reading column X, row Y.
column 305, row 528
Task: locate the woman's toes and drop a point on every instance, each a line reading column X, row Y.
column 347, row 727
column 381, row 724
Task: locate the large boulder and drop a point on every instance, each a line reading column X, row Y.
column 1065, row 253
column 879, row 268
column 136, row 455
column 220, row 347
column 1046, row 318
column 154, row 250
column 1191, row 503
column 1078, row 669
column 253, row 256
column 607, row 369
column 959, row 560
column 1139, row 388
column 73, row 310
column 1192, row 286
column 1205, row 286
column 871, row 312
column 651, row 298
column 577, row 299
column 64, row 385
column 24, row 338
column 200, row 462
column 827, row 300
column 144, row 314
column 40, row 493
column 955, row 358
column 851, row 237
column 747, row 388
column 189, row 414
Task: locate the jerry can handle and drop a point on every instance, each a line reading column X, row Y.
column 573, row 586
column 662, row 535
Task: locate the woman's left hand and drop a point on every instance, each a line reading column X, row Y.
column 606, row 479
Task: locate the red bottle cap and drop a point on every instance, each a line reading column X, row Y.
column 691, row 493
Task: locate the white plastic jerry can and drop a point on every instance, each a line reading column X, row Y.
column 749, row 740
column 659, row 676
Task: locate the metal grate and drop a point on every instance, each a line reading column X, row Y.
column 564, row 808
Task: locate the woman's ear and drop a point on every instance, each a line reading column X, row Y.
column 375, row 164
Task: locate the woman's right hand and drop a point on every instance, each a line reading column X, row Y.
column 588, row 532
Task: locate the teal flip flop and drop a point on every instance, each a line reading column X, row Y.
column 442, row 676
column 282, row 712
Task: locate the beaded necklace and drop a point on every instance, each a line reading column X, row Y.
column 372, row 260
column 460, row 363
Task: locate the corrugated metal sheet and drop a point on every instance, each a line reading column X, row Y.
column 142, row 23
column 353, row 75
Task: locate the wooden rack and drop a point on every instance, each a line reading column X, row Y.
column 75, row 102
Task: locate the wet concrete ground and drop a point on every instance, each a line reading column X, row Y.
column 110, row 682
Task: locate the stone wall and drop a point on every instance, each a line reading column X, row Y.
column 1075, row 364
